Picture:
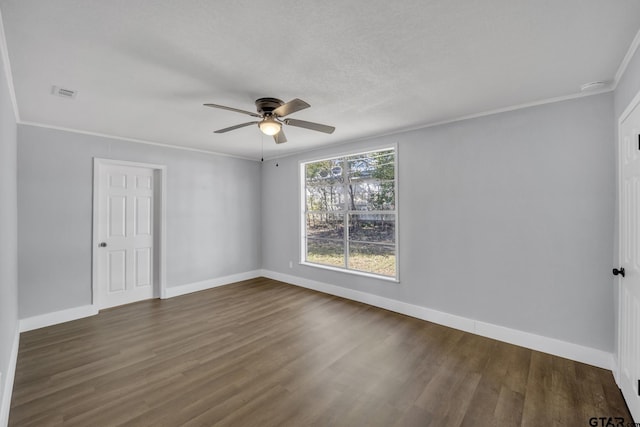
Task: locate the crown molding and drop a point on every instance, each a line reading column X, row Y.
column 627, row 58
column 134, row 140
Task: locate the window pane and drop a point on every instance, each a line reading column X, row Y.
column 325, row 226
column 373, row 258
column 371, row 195
column 326, row 172
column 327, row 252
column 325, row 198
column 379, row 165
column 374, row 228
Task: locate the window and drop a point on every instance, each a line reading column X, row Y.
column 349, row 213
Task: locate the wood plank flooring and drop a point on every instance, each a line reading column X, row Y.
column 264, row 353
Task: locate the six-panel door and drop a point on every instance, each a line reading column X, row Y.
column 629, row 310
column 125, row 230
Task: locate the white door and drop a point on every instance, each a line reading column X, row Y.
column 125, row 235
column 629, row 288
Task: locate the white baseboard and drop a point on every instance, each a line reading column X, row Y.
column 188, row 288
column 7, row 382
column 56, row 317
column 576, row 352
column 615, row 368
column 541, row 343
column 62, row 316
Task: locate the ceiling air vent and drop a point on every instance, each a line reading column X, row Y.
column 64, row 93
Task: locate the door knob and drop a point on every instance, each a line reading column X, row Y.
column 104, row 245
column 618, row 271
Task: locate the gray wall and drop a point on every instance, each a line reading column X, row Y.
column 506, row 219
column 8, row 228
column 213, row 214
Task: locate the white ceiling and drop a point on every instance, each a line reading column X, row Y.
column 143, row 68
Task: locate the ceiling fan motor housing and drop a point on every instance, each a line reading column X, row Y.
column 265, row 106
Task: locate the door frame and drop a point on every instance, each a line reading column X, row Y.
column 635, row 102
column 159, row 226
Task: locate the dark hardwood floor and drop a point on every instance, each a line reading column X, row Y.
column 264, row 353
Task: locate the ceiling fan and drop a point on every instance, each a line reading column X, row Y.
column 271, row 112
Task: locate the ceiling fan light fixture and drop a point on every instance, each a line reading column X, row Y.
column 269, row 126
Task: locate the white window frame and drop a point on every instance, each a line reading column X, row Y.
column 303, row 212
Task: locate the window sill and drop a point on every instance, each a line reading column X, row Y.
column 347, row 271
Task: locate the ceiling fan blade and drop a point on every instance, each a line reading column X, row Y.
column 234, row 127
column 233, row 109
column 290, row 107
column 310, row 125
column 279, row 137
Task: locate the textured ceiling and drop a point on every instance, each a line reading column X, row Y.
column 143, row 69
